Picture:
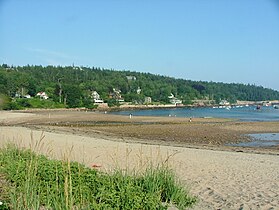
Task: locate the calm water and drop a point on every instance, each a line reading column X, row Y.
column 261, row 140
column 249, row 113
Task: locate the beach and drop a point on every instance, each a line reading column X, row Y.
column 222, row 177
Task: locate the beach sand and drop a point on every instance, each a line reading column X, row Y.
column 218, row 175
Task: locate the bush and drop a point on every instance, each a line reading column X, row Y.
column 112, row 102
column 4, row 101
column 23, row 103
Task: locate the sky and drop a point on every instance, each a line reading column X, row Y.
column 203, row 40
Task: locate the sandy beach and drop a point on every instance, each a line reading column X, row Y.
column 222, row 177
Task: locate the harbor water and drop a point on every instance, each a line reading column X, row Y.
column 242, row 113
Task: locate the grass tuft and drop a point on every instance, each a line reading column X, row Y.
column 37, row 182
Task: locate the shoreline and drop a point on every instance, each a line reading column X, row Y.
column 108, row 109
column 127, row 107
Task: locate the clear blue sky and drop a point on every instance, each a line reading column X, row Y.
column 210, row 40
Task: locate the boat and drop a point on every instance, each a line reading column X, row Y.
column 228, row 107
column 276, row 106
column 258, row 107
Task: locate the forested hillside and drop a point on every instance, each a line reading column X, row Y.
column 73, row 86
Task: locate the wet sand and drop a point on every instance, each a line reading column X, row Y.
column 210, row 133
column 222, row 177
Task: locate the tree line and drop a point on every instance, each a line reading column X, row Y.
column 72, row 86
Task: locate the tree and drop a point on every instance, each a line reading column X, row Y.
column 72, row 96
column 73, row 85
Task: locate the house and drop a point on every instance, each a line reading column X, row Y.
column 96, row 97
column 147, row 100
column 131, row 78
column 116, row 95
column 77, row 67
column 42, row 95
column 27, row 96
column 138, row 90
column 174, row 100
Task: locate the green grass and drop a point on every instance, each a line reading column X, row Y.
column 35, row 182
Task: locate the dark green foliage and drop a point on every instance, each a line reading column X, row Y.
column 55, row 184
column 4, row 101
column 112, row 102
column 4, row 207
column 72, row 86
column 22, row 103
column 72, row 95
column 88, row 103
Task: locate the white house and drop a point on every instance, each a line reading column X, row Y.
column 96, row 97
column 147, row 100
column 42, row 95
column 174, row 100
column 117, row 95
column 27, row 96
column 138, row 90
column 131, row 78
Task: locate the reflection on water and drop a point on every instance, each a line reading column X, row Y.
column 261, row 140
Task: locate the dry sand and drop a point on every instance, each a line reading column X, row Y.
column 220, row 179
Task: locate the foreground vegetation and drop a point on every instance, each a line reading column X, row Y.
column 33, row 181
column 72, row 86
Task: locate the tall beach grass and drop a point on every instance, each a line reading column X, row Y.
column 34, row 181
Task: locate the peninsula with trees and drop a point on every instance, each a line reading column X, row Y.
column 36, row 86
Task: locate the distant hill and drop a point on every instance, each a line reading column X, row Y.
column 73, row 86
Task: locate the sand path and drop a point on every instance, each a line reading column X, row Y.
column 221, row 179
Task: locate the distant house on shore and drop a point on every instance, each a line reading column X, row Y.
column 42, row 95
column 147, row 100
column 96, row 97
column 116, row 94
column 174, row 100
